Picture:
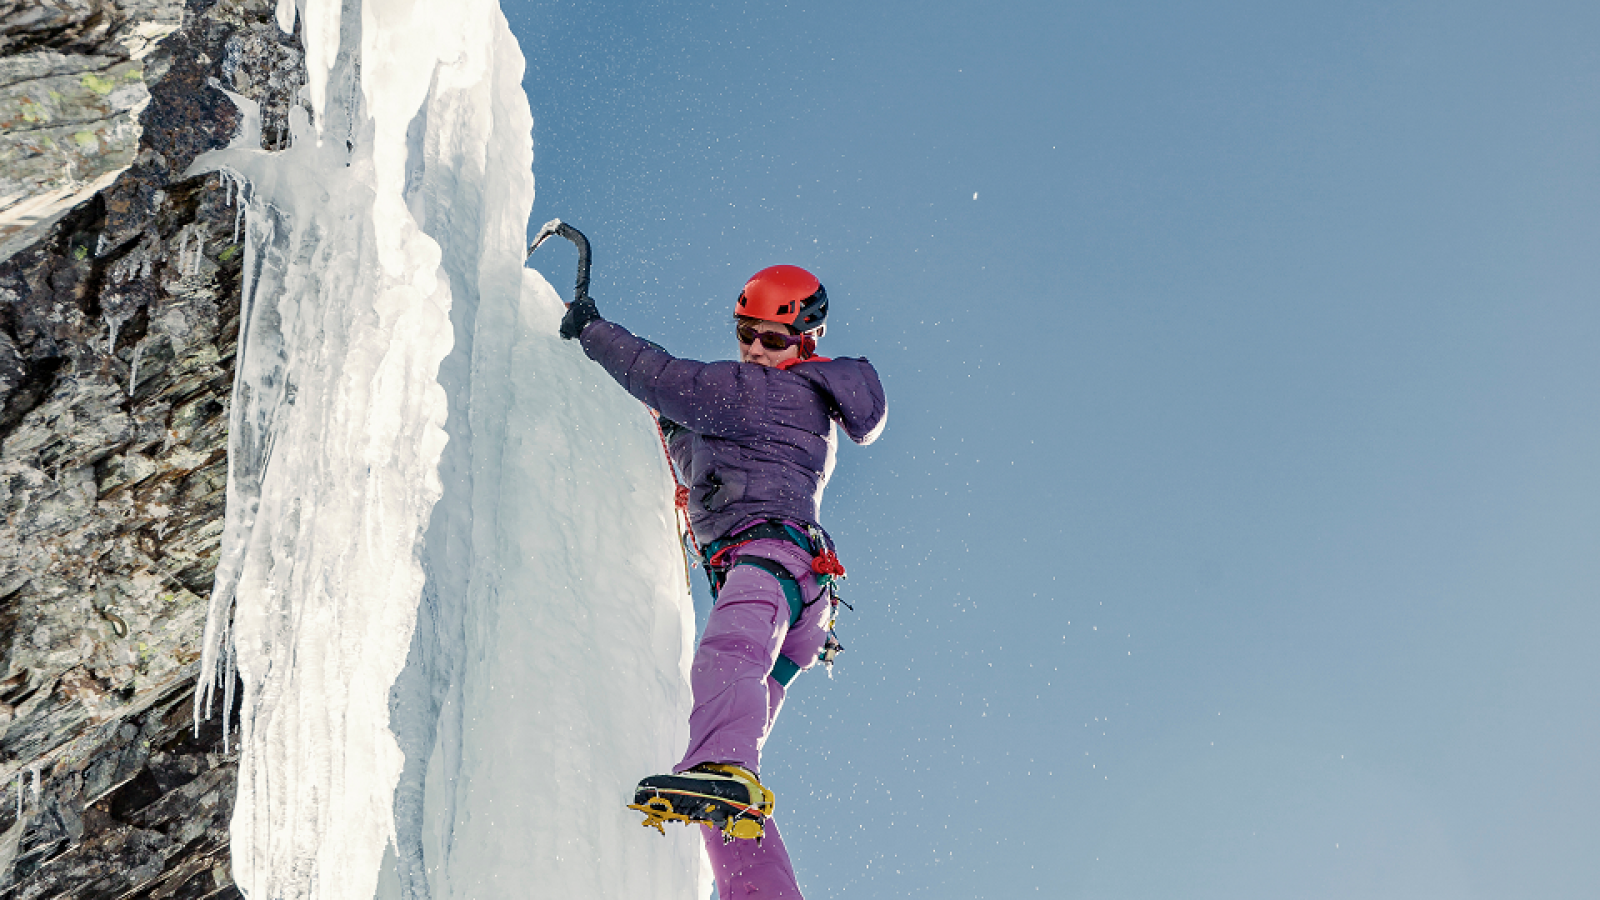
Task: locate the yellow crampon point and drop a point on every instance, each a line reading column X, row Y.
column 657, row 811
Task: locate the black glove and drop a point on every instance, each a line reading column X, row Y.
column 579, row 314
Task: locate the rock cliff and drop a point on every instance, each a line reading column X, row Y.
column 119, row 298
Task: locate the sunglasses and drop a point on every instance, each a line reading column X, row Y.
column 772, row 340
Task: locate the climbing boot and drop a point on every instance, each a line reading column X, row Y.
column 726, row 797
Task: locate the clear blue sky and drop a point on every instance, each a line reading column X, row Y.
column 1237, row 528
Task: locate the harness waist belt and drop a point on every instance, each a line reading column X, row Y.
column 766, row 530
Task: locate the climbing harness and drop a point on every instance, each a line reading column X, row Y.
column 720, row 557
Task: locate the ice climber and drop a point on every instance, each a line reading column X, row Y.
column 755, row 442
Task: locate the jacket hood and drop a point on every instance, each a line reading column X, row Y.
column 855, row 396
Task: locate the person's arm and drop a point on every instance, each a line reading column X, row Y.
column 719, row 398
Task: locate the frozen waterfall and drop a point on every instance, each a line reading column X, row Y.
column 450, row 581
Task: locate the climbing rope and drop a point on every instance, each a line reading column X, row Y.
column 680, row 502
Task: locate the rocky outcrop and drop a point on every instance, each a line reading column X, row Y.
column 72, row 85
column 144, row 815
column 74, row 82
column 118, row 329
column 69, row 129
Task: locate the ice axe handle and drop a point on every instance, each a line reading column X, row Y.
column 558, row 227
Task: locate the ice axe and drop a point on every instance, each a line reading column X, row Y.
column 554, row 227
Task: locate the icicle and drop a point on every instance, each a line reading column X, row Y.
column 133, row 378
column 36, row 794
column 285, row 16
column 230, row 668
column 218, row 650
column 233, row 185
column 113, row 323
column 202, row 700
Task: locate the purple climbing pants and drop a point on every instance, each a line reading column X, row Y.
column 735, row 702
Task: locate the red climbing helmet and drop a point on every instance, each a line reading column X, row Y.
column 785, row 294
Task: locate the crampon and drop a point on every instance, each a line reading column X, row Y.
column 728, row 798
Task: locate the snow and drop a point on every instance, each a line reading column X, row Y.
column 449, row 581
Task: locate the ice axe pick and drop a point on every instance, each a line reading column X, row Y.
column 554, row 227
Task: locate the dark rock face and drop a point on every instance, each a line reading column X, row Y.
column 145, row 816
column 84, row 27
column 117, row 338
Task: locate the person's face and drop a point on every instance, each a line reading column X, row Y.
column 754, row 352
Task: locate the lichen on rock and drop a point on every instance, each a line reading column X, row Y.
column 72, row 85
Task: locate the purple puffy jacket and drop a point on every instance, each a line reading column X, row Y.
column 757, row 442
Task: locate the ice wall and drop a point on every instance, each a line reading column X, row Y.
column 449, row 581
